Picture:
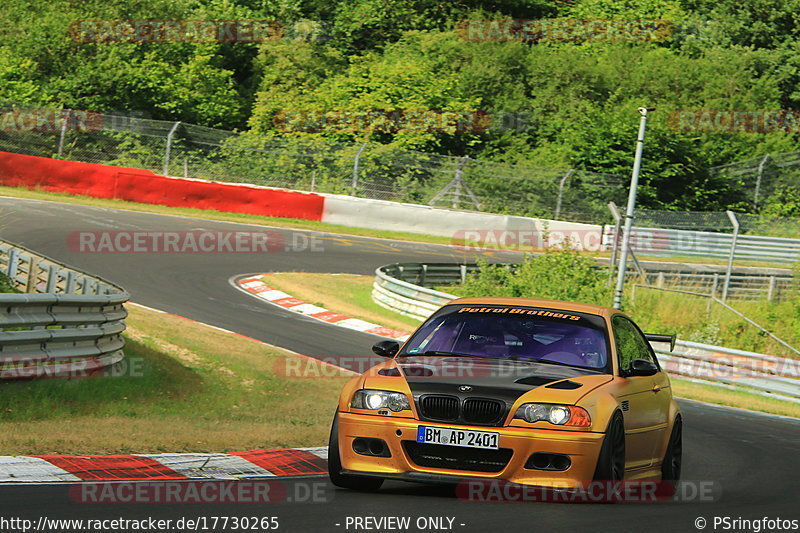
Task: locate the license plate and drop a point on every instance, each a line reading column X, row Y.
column 466, row 438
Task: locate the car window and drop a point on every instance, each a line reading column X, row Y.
column 499, row 334
column 631, row 344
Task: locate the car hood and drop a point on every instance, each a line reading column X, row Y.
column 491, row 378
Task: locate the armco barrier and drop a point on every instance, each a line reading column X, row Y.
column 392, row 291
column 399, row 287
column 72, row 327
column 673, row 242
column 136, row 185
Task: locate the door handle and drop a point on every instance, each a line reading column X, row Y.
column 656, row 388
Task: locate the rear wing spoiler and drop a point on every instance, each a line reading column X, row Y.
column 654, row 337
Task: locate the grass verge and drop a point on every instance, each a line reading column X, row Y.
column 185, row 387
column 348, row 294
column 328, row 292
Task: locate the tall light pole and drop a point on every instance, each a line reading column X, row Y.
column 626, row 235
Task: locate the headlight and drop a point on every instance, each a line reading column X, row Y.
column 560, row 415
column 379, row 399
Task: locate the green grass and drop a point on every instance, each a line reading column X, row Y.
column 733, row 398
column 6, row 285
column 691, row 318
column 188, row 388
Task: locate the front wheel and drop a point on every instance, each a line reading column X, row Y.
column 346, row 481
column 671, row 467
column 611, row 462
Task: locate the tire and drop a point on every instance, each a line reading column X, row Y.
column 673, row 457
column 346, row 481
column 611, row 462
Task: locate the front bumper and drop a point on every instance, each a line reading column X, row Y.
column 582, row 448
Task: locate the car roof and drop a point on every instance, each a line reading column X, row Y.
column 536, row 302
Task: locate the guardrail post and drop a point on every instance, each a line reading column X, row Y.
column 422, row 273
column 85, row 286
column 660, row 279
column 771, row 289
column 735, row 222
column 70, row 286
column 463, row 269
column 52, row 279
column 33, row 275
column 13, row 265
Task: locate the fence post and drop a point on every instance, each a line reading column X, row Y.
column 758, row 180
column 617, row 227
column 169, row 147
column 561, row 191
column 354, row 183
column 771, row 289
column 735, row 222
column 63, row 131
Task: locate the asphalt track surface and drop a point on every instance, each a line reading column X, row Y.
column 747, row 463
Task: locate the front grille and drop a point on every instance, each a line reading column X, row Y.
column 439, row 408
column 479, row 411
column 456, row 457
column 442, row 408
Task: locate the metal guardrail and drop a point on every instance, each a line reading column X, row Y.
column 741, row 286
column 718, row 366
column 674, row 242
column 400, row 287
column 68, row 323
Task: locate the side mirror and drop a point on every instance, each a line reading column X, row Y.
column 386, row 348
column 642, row 367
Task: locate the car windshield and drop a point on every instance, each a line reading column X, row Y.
column 512, row 336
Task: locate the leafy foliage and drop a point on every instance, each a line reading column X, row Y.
column 561, row 273
column 551, row 104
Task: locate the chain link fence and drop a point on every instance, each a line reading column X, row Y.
column 762, row 177
column 367, row 170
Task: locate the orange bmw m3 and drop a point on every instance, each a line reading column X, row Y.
column 534, row 392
